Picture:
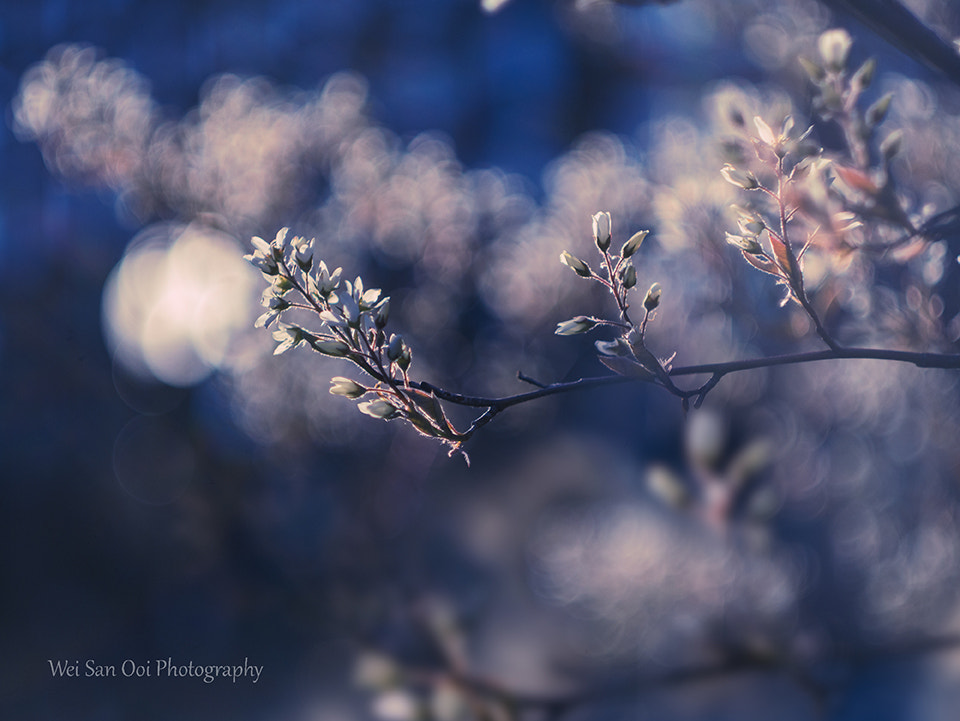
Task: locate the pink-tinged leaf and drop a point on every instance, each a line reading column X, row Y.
column 909, row 250
column 763, row 263
column 856, row 179
column 780, row 252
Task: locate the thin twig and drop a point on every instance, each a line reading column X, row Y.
column 716, row 370
column 532, row 381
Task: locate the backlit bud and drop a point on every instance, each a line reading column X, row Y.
column 652, row 299
column 878, row 111
column 891, row 144
column 741, row 178
column 746, row 244
column 383, row 314
column 602, row 230
column 577, row 265
column 575, row 326
column 834, row 45
column 633, row 245
column 340, row 386
column 395, row 347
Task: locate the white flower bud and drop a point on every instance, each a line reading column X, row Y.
column 340, row 386
column 577, row 265
column 575, row 326
column 741, row 178
column 633, row 245
column 834, row 46
column 602, row 230
column 395, row 347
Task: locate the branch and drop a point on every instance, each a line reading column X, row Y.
column 716, row 370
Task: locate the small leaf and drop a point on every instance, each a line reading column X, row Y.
column 379, row 409
column 616, row 347
column 783, row 257
column 856, row 179
column 764, row 132
column 626, row 367
column 763, row 263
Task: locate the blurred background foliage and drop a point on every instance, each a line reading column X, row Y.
column 172, row 489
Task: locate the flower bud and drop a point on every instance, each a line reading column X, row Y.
column 577, row 265
column 383, row 314
column 812, row 69
column 395, row 347
column 379, row 409
column 335, row 348
column 350, row 310
column 602, row 230
column 741, row 178
column 751, row 226
column 276, row 246
column 864, row 76
column 890, row 146
column 304, row 257
column 746, row 244
column 327, row 282
column 628, row 276
column 878, row 111
column 633, row 245
column 340, row 386
column 834, row 46
column 263, row 262
column 617, row 347
column 575, row 326
column 652, row 299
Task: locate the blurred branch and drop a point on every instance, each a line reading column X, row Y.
column 804, row 673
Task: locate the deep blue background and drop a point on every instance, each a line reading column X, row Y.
column 91, row 573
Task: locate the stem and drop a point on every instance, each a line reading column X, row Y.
column 796, row 277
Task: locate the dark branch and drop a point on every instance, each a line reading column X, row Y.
column 716, row 371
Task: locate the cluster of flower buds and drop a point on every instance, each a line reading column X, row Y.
column 626, row 353
column 353, row 327
column 785, row 166
column 774, row 151
column 838, row 93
